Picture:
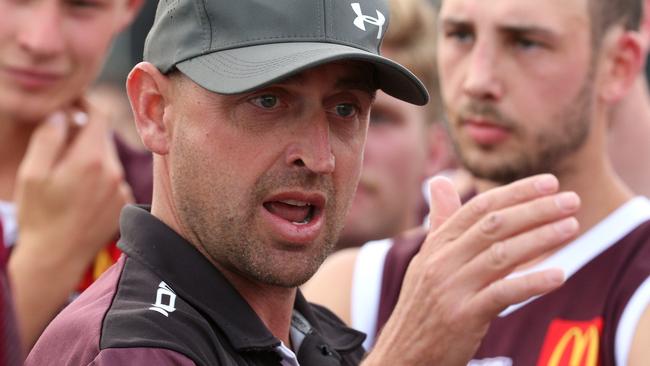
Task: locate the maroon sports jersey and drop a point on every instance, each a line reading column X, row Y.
column 589, row 321
column 9, row 342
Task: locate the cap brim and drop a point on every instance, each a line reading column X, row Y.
column 240, row 70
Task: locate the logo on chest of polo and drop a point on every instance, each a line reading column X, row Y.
column 165, row 300
column 572, row 343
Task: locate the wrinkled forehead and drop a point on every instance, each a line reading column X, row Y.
column 560, row 16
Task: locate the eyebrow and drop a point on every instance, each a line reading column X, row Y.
column 516, row 29
column 455, row 22
column 525, row 29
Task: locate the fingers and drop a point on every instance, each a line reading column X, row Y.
column 75, row 205
column 45, row 147
column 456, row 282
column 114, row 160
column 92, row 150
column 501, row 225
column 501, row 294
column 444, row 201
column 498, row 198
column 127, row 194
column 504, row 256
column 92, row 135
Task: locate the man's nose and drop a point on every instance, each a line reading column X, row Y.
column 482, row 74
column 311, row 146
column 43, row 36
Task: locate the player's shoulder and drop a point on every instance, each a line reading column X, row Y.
column 74, row 335
column 332, row 283
column 635, row 245
column 340, row 263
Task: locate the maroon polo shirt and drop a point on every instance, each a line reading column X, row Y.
column 9, row 341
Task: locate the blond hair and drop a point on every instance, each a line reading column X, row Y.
column 411, row 41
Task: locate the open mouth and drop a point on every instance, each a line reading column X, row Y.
column 294, row 211
column 295, row 217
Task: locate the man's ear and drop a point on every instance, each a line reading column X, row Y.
column 624, row 57
column 149, row 91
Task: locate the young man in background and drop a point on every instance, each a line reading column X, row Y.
column 530, row 87
column 61, row 181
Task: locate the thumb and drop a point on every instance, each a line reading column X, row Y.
column 444, row 201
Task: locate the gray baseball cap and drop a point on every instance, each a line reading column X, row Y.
column 235, row 46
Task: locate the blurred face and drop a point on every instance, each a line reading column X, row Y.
column 394, row 166
column 51, row 50
column 262, row 181
column 516, row 83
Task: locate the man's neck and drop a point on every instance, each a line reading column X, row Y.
column 629, row 138
column 272, row 304
column 14, row 139
column 601, row 192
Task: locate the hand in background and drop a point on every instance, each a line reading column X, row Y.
column 69, row 193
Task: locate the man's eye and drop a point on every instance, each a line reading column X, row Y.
column 346, row 110
column 84, row 3
column 460, row 36
column 265, row 101
column 526, row 44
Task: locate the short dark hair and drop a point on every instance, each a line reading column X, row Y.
column 607, row 13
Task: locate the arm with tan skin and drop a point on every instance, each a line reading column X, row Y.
column 456, row 284
column 639, row 351
column 337, row 270
column 70, row 190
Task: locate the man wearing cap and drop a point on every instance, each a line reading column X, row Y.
column 256, row 113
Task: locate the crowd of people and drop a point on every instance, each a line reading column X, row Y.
column 476, row 168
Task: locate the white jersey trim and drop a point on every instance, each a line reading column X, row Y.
column 9, row 223
column 592, row 243
column 626, row 328
column 366, row 287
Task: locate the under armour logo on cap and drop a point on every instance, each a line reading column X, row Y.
column 361, row 19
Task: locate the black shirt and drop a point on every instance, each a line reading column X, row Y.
column 165, row 295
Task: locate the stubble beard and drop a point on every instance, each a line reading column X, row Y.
column 550, row 148
column 227, row 231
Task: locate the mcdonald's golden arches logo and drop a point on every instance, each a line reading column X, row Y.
column 572, row 343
